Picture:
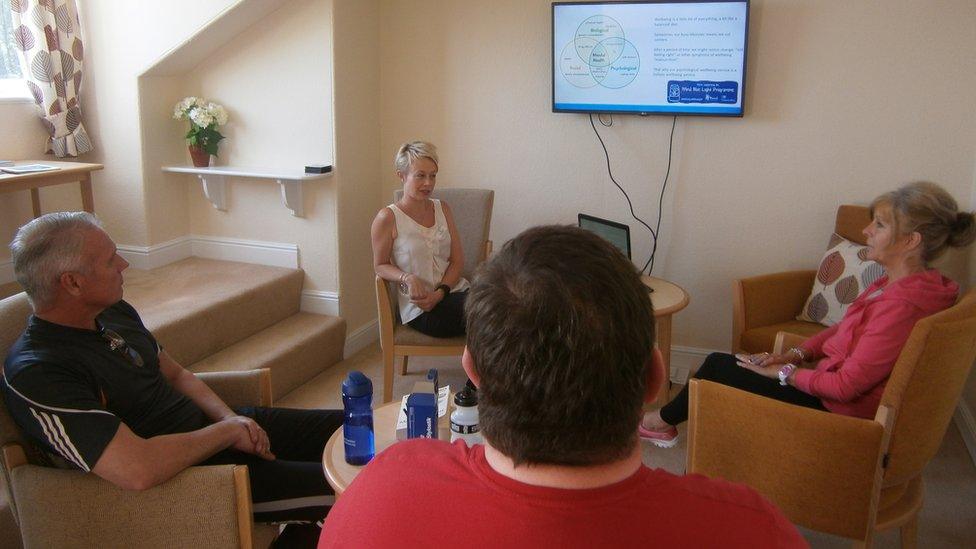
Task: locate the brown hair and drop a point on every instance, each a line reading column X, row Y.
column 926, row 208
column 560, row 328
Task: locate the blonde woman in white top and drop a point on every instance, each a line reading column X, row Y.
column 416, row 244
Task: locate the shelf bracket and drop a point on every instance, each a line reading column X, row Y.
column 291, row 196
column 215, row 189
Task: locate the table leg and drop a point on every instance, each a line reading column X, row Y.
column 664, row 344
column 87, row 200
column 36, row 202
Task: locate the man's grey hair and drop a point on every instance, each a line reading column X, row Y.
column 46, row 248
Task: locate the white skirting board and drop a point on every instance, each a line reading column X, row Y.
column 322, row 303
column 686, row 360
column 361, row 338
column 273, row 254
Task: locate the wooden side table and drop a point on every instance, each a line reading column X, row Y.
column 67, row 172
column 340, row 474
column 668, row 298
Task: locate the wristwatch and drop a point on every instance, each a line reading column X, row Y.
column 445, row 287
column 785, row 372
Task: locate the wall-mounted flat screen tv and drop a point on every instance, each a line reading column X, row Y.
column 677, row 57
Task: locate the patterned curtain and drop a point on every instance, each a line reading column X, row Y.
column 47, row 33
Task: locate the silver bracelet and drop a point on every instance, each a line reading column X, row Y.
column 799, row 352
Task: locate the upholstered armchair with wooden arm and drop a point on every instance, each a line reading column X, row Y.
column 472, row 215
column 845, row 476
column 203, row 506
column 764, row 305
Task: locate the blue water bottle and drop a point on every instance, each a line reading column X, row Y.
column 357, row 427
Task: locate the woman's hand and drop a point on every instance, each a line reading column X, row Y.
column 770, row 371
column 767, row 359
column 429, row 301
column 417, row 288
column 764, row 364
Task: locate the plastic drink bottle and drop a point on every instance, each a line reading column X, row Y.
column 357, row 426
column 464, row 419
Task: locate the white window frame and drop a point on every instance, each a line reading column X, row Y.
column 13, row 90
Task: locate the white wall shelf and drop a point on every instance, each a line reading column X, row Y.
column 214, row 183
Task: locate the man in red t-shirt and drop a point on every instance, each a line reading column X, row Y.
column 560, row 337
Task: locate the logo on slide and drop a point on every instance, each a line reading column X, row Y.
column 703, row 91
column 599, row 55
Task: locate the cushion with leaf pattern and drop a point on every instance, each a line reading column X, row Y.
column 843, row 274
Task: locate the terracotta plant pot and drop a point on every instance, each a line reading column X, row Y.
column 200, row 157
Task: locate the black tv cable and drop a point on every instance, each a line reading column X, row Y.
column 649, row 265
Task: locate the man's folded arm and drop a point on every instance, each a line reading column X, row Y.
column 136, row 463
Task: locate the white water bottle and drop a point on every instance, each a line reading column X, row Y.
column 464, row 418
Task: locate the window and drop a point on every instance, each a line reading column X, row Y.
column 12, row 84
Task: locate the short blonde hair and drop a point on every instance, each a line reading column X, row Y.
column 929, row 210
column 408, row 153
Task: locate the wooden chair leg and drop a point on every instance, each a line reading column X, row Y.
column 403, row 366
column 387, row 375
column 909, row 533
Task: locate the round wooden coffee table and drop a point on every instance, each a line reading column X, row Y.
column 668, row 298
column 340, row 474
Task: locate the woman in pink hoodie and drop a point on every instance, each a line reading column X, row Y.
column 910, row 227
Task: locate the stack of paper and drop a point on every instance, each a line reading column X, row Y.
column 28, row 168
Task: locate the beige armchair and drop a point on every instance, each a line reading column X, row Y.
column 204, row 506
column 842, row 475
column 472, row 215
column 764, row 305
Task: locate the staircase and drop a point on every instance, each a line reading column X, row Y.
column 214, row 315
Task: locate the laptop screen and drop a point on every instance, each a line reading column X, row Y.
column 617, row 234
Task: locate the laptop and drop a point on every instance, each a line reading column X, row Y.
column 617, row 234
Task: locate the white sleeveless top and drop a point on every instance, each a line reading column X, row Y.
column 422, row 251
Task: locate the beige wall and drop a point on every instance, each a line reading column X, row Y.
column 123, row 40
column 21, row 137
column 840, row 106
column 357, row 137
column 275, row 79
column 118, row 47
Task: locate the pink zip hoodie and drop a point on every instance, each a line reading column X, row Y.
column 860, row 351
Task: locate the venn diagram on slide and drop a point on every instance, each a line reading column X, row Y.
column 599, row 54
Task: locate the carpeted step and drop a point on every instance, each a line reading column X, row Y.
column 322, row 391
column 296, row 350
column 197, row 307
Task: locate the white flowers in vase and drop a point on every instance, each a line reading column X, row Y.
column 204, row 117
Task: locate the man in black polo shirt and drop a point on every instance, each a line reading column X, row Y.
column 89, row 383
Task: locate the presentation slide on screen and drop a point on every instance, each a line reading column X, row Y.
column 682, row 57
